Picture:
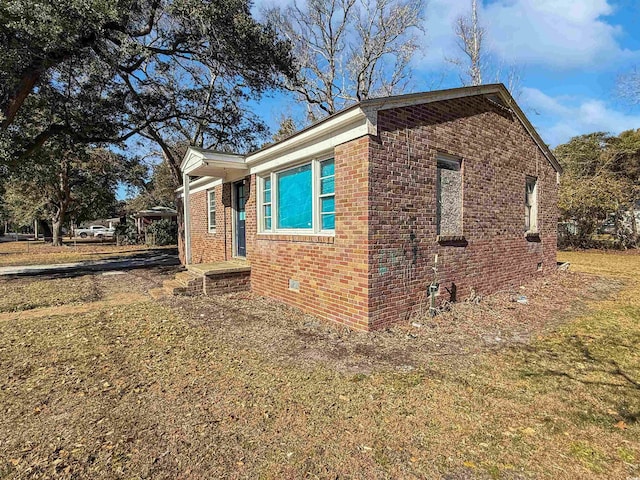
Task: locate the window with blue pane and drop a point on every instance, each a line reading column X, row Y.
column 295, row 198
column 266, row 203
column 300, row 198
column 327, row 195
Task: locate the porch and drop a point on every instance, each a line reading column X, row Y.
column 208, row 279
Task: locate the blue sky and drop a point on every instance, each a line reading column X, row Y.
column 569, row 54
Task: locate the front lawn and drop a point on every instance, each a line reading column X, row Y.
column 41, row 253
column 241, row 387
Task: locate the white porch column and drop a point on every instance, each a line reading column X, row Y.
column 35, row 228
column 187, row 220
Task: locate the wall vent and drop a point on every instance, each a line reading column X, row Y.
column 294, row 285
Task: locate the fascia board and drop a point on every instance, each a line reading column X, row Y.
column 315, row 148
column 351, row 118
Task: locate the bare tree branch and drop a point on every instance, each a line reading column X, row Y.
column 349, row 50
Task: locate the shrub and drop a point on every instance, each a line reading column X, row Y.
column 127, row 233
column 162, row 232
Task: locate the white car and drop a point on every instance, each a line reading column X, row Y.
column 98, row 231
column 105, row 233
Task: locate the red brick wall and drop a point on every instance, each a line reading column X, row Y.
column 497, row 154
column 333, row 272
column 377, row 268
column 206, row 246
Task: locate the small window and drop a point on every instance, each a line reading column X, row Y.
column 266, row 203
column 449, row 197
column 531, row 205
column 211, row 200
column 327, row 195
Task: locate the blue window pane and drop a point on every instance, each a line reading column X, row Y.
column 327, row 168
column 267, row 223
column 294, row 198
column 267, row 196
column 328, row 221
column 327, row 185
column 328, row 204
column 267, row 184
column 267, row 210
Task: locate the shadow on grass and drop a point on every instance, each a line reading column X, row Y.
column 574, row 360
column 153, row 258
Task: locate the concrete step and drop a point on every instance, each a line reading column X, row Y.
column 186, row 278
column 174, row 287
column 158, row 293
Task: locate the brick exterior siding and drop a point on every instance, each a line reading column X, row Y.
column 497, row 154
column 206, row 246
column 377, row 268
column 333, row 276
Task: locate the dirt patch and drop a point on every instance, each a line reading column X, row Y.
column 458, row 335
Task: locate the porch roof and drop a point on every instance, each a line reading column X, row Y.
column 199, row 162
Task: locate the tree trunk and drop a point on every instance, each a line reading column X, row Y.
column 56, row 222
column 634, row 223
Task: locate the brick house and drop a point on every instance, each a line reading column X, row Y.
column 353, row 218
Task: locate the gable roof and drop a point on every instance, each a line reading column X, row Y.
column 361, row 119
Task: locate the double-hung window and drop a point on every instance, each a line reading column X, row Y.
column 211, row 205
column 327, row 195
column 299, row 199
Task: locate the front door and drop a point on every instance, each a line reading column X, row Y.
column 241, row 200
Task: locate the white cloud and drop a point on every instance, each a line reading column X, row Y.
column 554, row 33
column 557, row 119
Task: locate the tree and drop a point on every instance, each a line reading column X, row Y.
column 470, row 37
column 600, row 179
column 67, row 181
column 159, row 191
column 162, row 69
column 286, row 129
column 348, row 50
column 477, row 64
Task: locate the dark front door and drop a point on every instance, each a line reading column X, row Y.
column 241, row 200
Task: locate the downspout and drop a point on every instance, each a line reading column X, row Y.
column 187, row 220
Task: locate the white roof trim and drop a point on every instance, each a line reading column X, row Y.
column 349, row 124
column 204, row 183
column 198, row 157
column 340, row 124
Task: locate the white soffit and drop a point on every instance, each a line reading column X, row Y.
column 204, row 183
column 314, row 141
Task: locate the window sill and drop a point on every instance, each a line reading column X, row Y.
column 532, row 236
column 452, row 240
column 212, row 232
column 296, row 237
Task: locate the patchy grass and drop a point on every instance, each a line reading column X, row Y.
column 40, row 253
column 27, row 293
column 238, row 387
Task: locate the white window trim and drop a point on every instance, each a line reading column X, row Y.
column 210, row 193
column 315, row 208
column 533, row 215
